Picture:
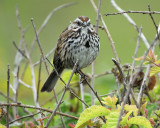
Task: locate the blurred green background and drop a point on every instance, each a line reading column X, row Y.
column 123, row 34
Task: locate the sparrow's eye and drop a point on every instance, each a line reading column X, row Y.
column 79, row 23
column 88, row 23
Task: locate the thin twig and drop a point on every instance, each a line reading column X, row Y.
column 133, row 65
column 120, row 71
column 46, row 56
column 139, row 12
column 154, row 22
column 93, row 63
column 82, row 100
column 22, row 117
column 46, row 20
column 98, row 15
column 74, row 69
column 28, row 59
column 47, row 69
column 135, row 54
column 39, row 44
column 134, row 78
column 8, row 81
column 19, row 50
column 100, row 27
column 118, row 90
column 95, row 93
column 111, row 93
column 54, row 92
column 107, row 32
column 17, row 61
column 82, row 92
column 23, row 83
column 38, row 108
column 11, row 99
column 39, row 78
column 103, row 74
column 131, row 22
column 72, row 92
column 140, row 95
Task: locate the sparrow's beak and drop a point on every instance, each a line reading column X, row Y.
column 84, row 24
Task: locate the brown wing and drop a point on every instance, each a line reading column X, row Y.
column 58, row 57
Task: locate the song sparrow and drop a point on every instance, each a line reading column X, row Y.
column 78, row 41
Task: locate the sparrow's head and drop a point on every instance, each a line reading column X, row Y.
column 82, row 21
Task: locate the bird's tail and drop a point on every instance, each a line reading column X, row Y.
column 50, row 82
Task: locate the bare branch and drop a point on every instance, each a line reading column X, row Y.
column 23, row 83
column 39, row 79
column 38, row 108
column 133, row 65
column 74, row 69
column 31, row 115
column 139, row 12
column 47, row 20
column 39, row 44
column 47, row 69
column 134, row 78
column 140, row 95
column 8, row 80
column 135, row 54
column 19, row 50
column 65, row 84
column 95, row 93
column 28, row 59
column 11, row 99
column 46, row 56
column 131, row 22
column 93, row 63
column 106, row 30
column 82, row 92
column 154, row 22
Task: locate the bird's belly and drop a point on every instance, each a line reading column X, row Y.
column 84, row 55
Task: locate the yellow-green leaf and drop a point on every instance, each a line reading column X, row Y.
column 91, row 112
column 140, row 120
column 0, row 111
column 66, row 75
column 2, row 126
column 143, row 107
column 124, row 120
column 112, row 120
column 131, row 108
column 154, row 70
column 109, row 101
column 157, row 62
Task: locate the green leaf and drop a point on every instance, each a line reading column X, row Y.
column 124, row 120
column 91, row 112
column 16, row 125
column 109, row 101
column 154, row 70
column 2, row 126
column 66, row 75
column 112, row 120
column 143, row 107
column 131, row 108
column 140, row 120
column 151, row 107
